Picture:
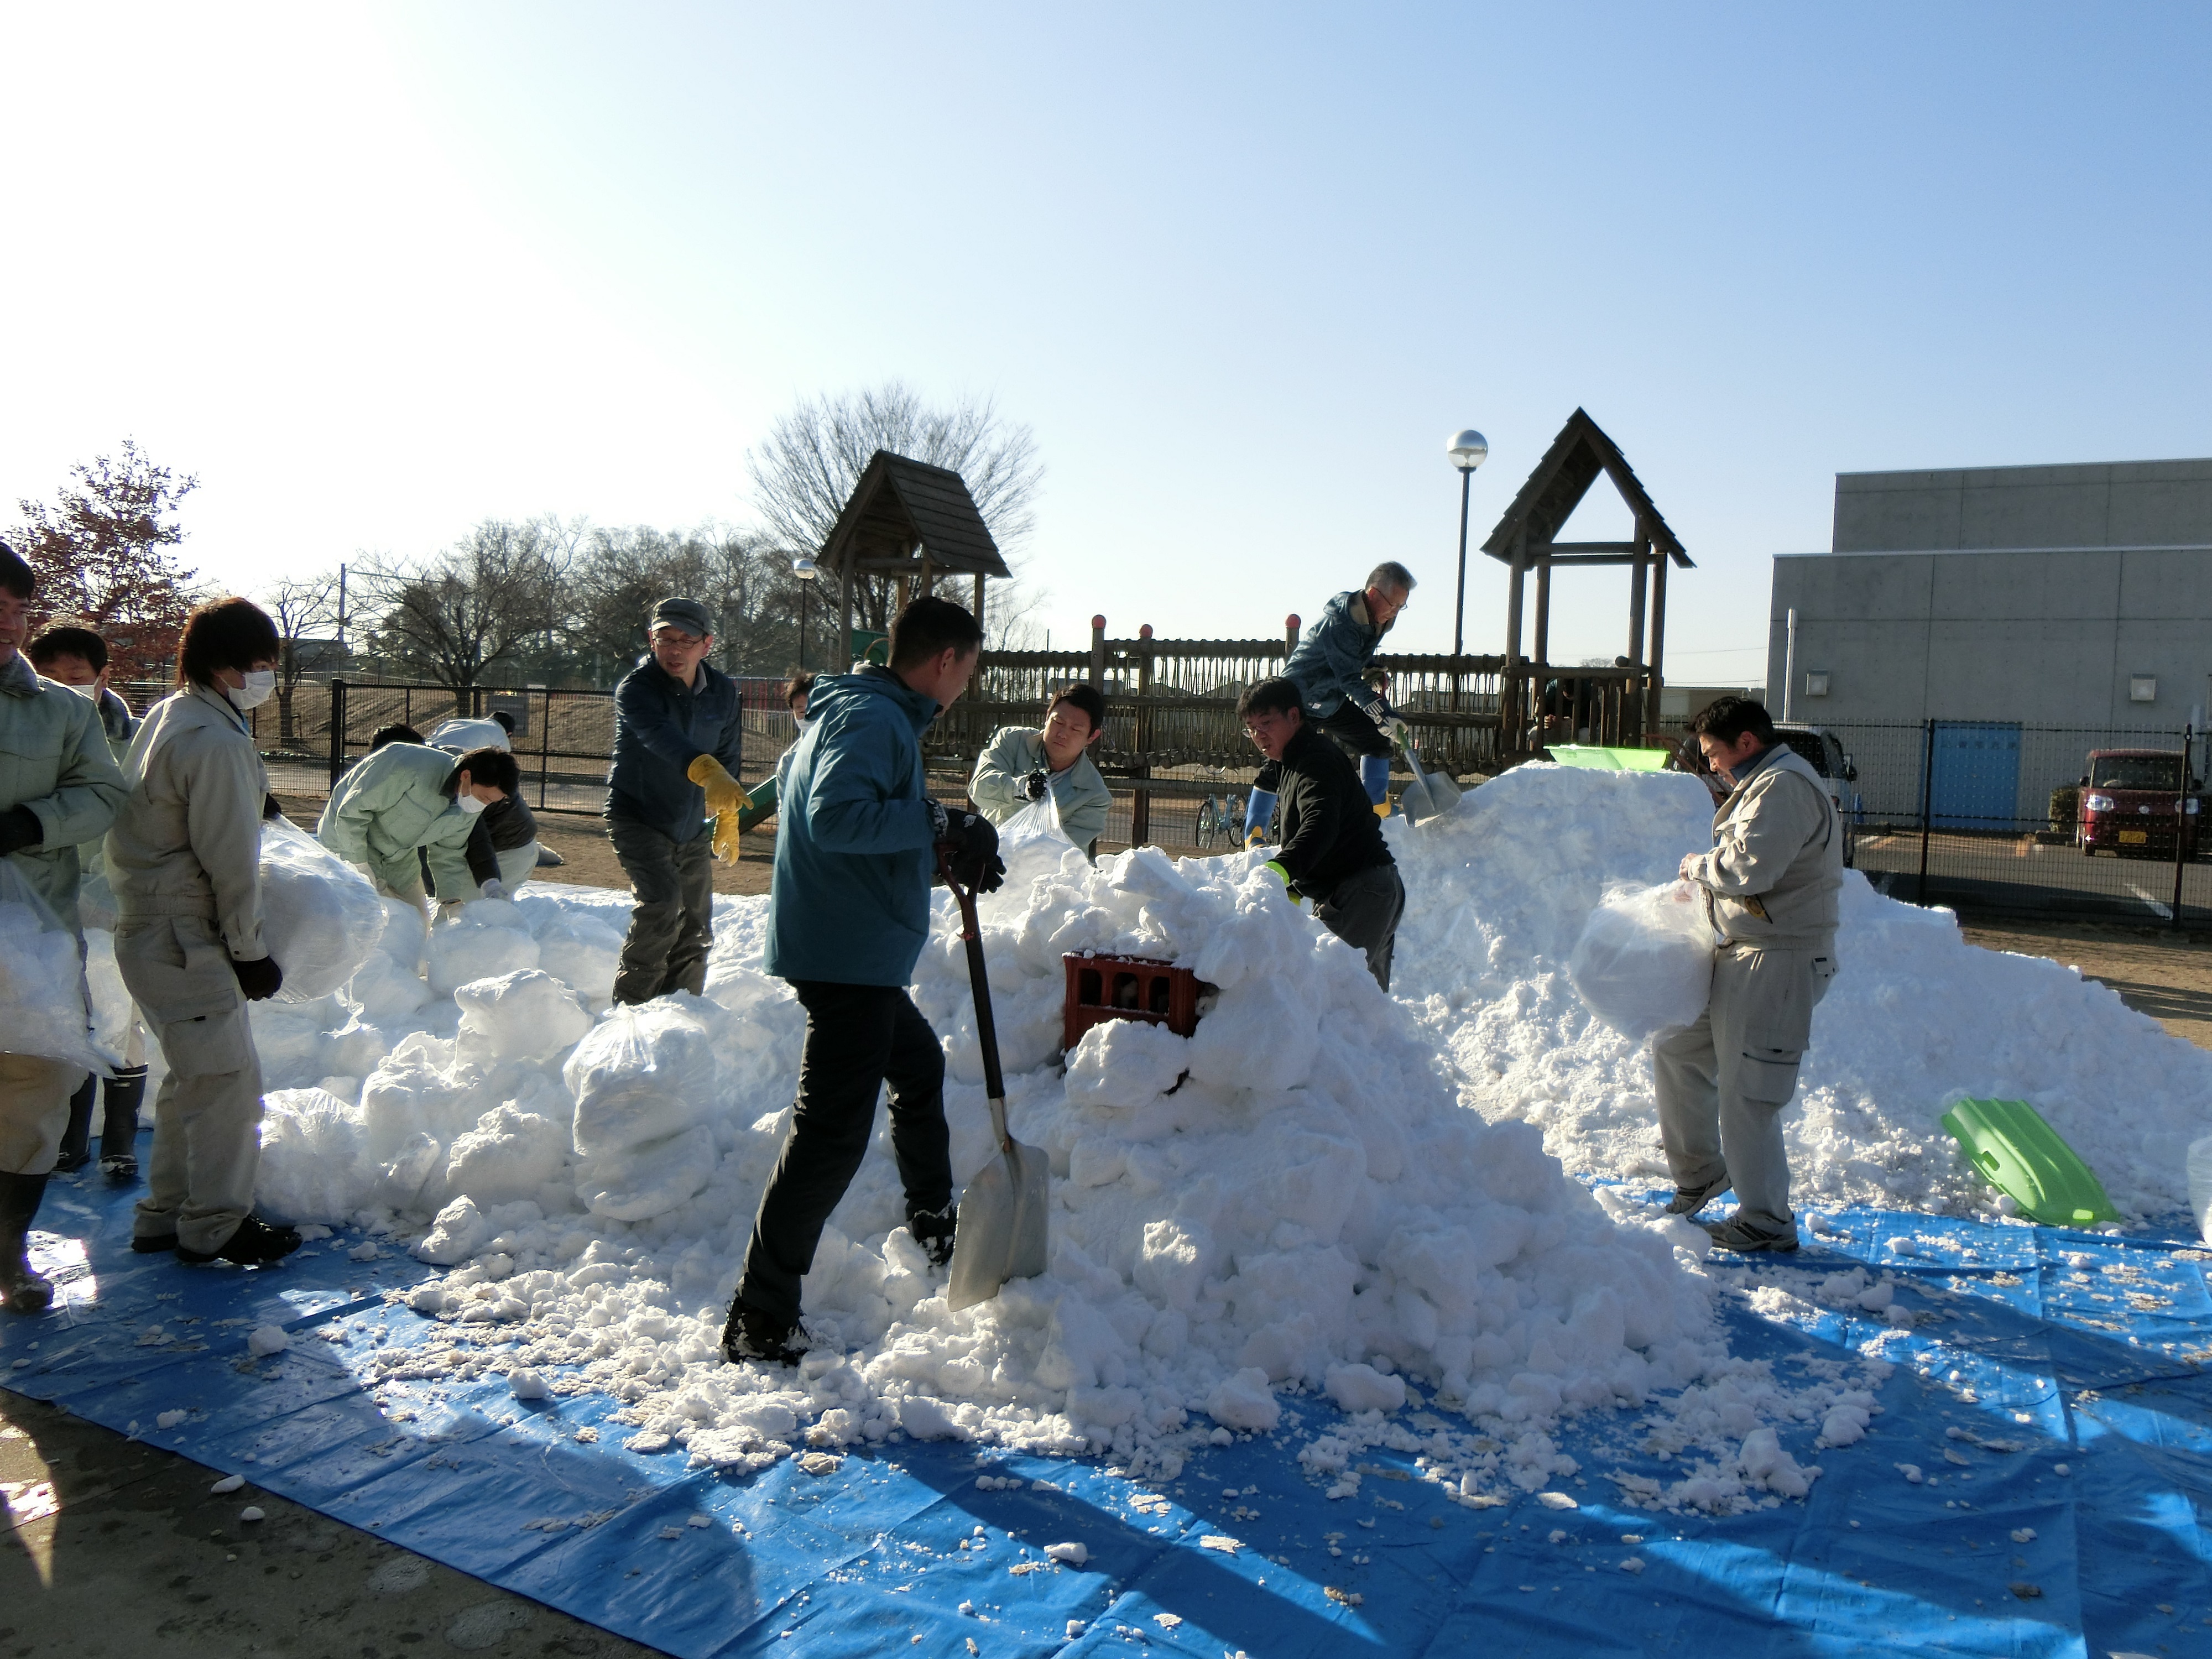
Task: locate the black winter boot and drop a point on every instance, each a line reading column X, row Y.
column 119, row 1125
column 76, row 1140
column 255, row 1244
column 23, row 1290
column 750, row 1335
column 933, row 1231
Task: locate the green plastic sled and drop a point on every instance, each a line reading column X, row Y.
column 2022, row 1157
column 1592, row 758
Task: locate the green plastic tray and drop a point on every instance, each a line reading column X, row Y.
column 1592, row 758
column 2022, row 1157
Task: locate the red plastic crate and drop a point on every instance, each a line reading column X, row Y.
column 1104, row 987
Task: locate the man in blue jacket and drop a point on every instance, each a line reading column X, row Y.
column 848, row 910
column 1329, row 668
column 679, row 743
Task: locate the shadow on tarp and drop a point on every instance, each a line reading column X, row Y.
column 542, row 1498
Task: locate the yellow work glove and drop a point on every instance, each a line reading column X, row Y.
column 727, row 846
column 724, row 792
column 1284, row 877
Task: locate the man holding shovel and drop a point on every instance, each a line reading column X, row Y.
column 1329, row 668
column 849, row 911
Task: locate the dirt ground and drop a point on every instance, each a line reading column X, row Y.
column 110, row 1547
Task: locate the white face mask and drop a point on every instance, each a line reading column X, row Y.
column 803, row 722
column 468, row 804
column 260, row 686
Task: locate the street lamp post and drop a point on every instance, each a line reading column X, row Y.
column 807, row 571
column 1468, row 451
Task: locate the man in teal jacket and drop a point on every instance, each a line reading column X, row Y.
column 849, row 911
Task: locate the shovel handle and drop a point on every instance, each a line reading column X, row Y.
column 979, row 982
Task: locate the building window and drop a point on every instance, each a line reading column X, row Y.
column 2143, row 687
column 1816, row 685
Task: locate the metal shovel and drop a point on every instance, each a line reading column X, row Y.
column 999, row 1232
column 1429, row 793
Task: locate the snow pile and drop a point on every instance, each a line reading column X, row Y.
column 1500, row 893
column 1290, row 1201
column 320, row 917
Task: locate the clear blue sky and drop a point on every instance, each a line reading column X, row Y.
column 373, row 274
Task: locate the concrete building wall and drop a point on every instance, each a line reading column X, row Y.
column 2034, row 595
column 2107, row 504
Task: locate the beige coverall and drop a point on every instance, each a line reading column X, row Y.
column 1771, row 884
column 184, row 859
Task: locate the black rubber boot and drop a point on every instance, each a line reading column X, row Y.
column 76, row 1140
column 119, row 1123
column 23, row 1290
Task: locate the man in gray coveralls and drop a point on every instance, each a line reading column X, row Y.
column 1770, row 886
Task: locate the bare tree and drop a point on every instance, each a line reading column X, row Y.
column 297, row 604
column 805, row 468
column 489, row 598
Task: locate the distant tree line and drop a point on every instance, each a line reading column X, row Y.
column 542, row 600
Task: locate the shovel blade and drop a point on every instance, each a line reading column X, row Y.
column 1000, row 1233
column 1413, row 799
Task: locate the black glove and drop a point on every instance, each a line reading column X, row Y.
column 19, row 827
column 1033, row 786
column 270, row 808
column 260, row 981
column 971, row 845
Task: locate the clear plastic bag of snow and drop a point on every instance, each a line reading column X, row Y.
column 1644, row 963
column 1032, row 846
column 314, row 1157
column 642, row 1075
column 320, row 917
column 43, row 1006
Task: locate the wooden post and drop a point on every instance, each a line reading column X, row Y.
column 1543, row 654
column 841, row 648
column 1140, row 805
column 1509, row 697
column 905, row 584
column 1658, row 633
column 1098, row 654
column 1291, row 629
column 1631, row 702
column 976, row 679
column 928, row 577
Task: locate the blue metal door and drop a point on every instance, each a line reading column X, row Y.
column 1974, row 783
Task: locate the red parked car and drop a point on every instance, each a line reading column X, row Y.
column 2129, row 798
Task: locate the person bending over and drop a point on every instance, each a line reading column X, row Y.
column 184, row 860
column 1329, row 668
column 1332, row 851
column 679, row 744
column 1771, row 887
column 408, row 797
column 1020, row 764
column 59, row 790
column 849, row 911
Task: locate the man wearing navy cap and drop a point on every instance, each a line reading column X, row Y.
column 679, row 743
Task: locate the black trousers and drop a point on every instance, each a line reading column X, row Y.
column 857, row 1037
column 1354, row 733
column 1363, row 911
column 673, row 924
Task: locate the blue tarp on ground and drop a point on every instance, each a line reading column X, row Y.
column 2031, row 1349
